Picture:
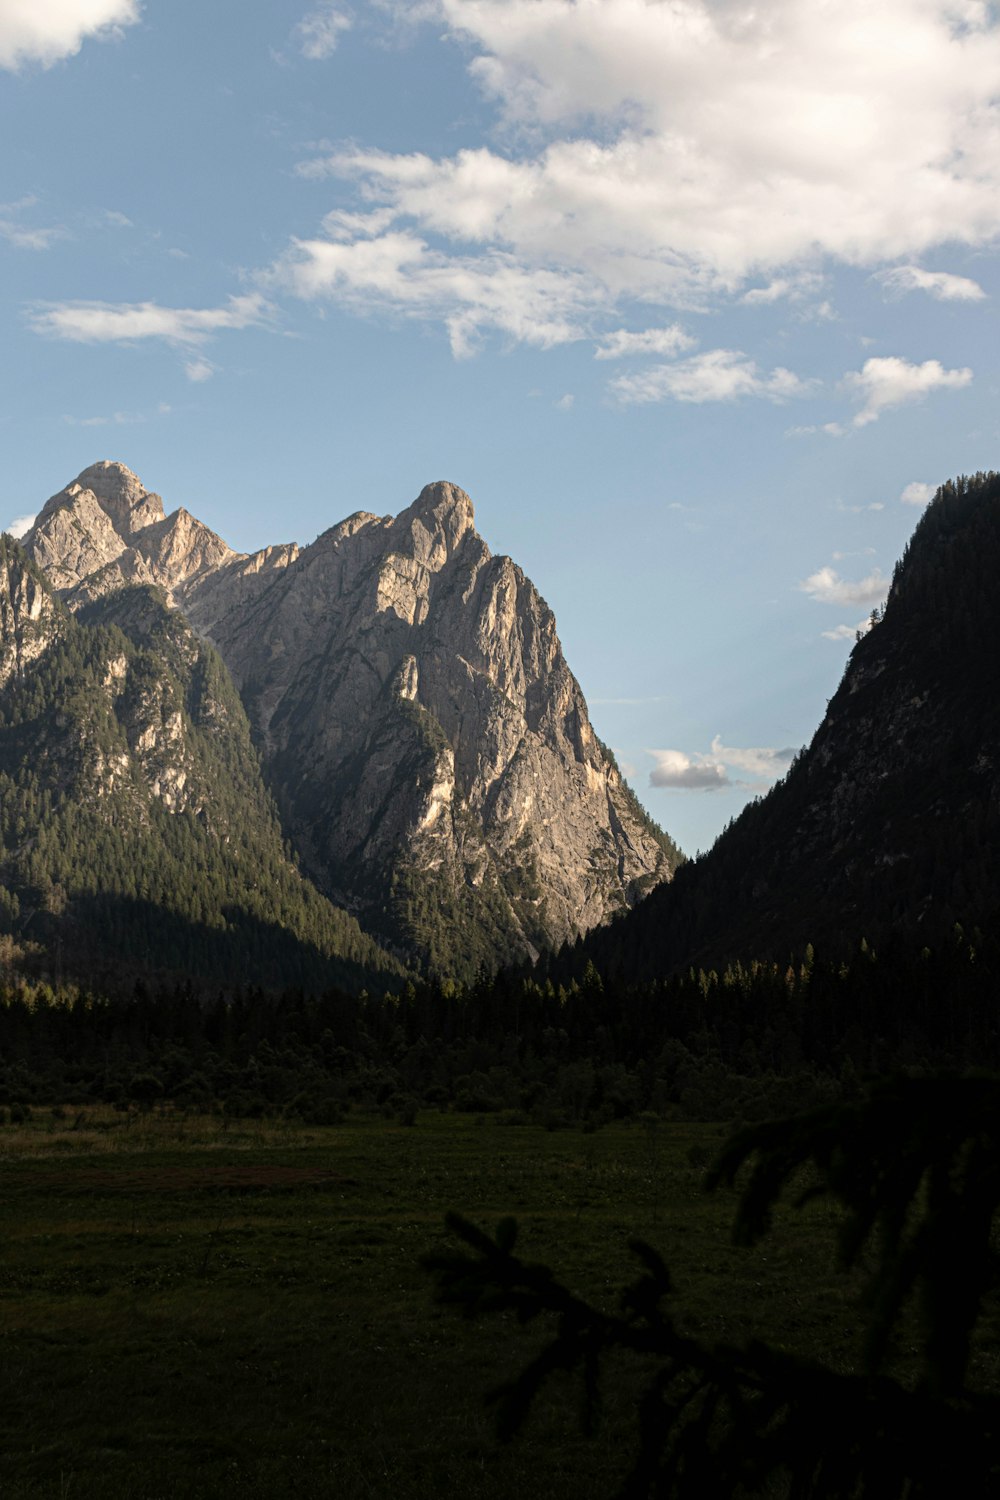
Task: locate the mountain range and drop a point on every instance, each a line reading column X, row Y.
column 326, row 764
column 386, row 716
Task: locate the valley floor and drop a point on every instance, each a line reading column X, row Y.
column 190, row 1308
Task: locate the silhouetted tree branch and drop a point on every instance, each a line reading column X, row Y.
column 916, row 1166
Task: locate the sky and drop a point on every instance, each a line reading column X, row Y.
column 697, row 299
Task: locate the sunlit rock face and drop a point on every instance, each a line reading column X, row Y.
column 29, row 616
column 429, row 747
column 106, row 531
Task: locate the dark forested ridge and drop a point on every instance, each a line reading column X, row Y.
column 137, row 834
column 889, row 823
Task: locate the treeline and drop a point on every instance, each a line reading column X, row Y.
column 746, row 1042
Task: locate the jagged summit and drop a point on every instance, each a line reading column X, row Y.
column 444, row 507
column 105, row 531
column 430, row 748
column 112, row 482
column 110, row 488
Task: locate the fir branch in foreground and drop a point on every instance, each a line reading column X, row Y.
column 917, row 1160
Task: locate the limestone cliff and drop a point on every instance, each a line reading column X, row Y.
column 30, row 618
column 429, row 747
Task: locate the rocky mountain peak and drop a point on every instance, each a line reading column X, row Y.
column 112, row 482
column 443, row 510
column 429, row 747
column 119, row 494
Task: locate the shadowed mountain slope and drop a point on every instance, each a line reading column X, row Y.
column 890, row 821
column 134, row 822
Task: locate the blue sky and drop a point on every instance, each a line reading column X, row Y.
column 697, row 301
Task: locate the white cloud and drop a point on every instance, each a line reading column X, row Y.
column 116, row 419
column 121, row 322
column 941, row 284
column 716, row 375
column 848, row 632
column 669, row 154
column 883, row 383
column 763, row 764
column 20, row 526
column 44, row 31
column 917, row 493
column 828, row 429
column 565, row 403
column 401, row 273
column 709, row 772
column 788, row 288
column 622, row 343
column 827, row 587
column 692, row 774
column 25, row 236
column 199, row 370
column 318, row 33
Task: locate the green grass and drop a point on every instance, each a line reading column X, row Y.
column 193, row 1310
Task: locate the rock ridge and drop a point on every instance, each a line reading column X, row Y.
column 430, row 750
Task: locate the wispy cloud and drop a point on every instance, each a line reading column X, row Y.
column 45, row 31
column 943, row 285
column 401, row 273
column 763, row 764
column 24, row 236
column 119, row 418
column 116, row 419
column 792, row 288
column 717, row 375
column 918, row 493
column 318, row 33
column 848, row 632
column 199, row 370
column 20, row 526
column 663, row 341
column 828, row 429
column 827, row 587
column 886, row 382
column 124, row 322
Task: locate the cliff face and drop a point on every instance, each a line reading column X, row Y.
column 428, row 741
column 134, row 824
column 429, row 747
column 30, row 618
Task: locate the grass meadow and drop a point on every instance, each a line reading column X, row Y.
column 190, row 1308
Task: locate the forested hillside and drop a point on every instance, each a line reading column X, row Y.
column 889, row 823
column 137, row 835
